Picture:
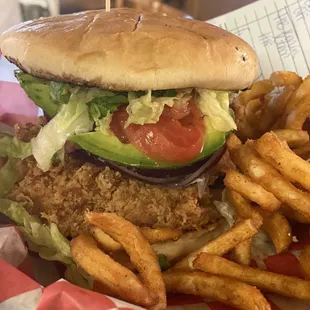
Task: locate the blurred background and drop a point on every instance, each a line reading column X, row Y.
column 15, row 11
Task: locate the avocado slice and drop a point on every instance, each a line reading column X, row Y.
column 110, row 148
column 38, row 90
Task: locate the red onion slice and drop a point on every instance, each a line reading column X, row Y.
column 178, row 177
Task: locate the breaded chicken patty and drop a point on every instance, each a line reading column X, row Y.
column 62, row 194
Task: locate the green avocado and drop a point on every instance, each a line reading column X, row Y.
column 38, row 90
column 109, row 147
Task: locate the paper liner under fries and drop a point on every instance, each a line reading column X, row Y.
column 19, row 276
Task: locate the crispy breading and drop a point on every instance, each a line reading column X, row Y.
column 28, row 131
column 62, row 194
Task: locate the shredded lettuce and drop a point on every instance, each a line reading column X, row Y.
column 12, row 147
column 148, row 108
column 60, row 92
column 71, row 119
column 215, row 105
column 103, row 124
column 106, row 102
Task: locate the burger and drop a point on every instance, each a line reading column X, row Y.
column 137, row 112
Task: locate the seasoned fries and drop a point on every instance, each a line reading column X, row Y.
column 265, row 280
column 283, row 159
column 152, row 235
column 241, row 254
column 285, row 78
column 242, row 206
column 294, row 138
column 269, row 178
column 160, row 234
column 299, row 115
column 280, row 103
column 304, row 260
column 106, row 242
column 121, row 281
column 251, row 190
column 224, row 289
column 137, row 247
column 279, row 230
column 242, row 231
column 303, row 151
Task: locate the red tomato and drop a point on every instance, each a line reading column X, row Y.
column 170, row 139
column 180, row 110
column 118, row 121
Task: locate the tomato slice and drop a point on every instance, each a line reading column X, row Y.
column 171, row 139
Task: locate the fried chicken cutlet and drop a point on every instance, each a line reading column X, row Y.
column 62, row 194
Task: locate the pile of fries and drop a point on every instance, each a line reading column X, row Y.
column 280, row 104
column 268, row 188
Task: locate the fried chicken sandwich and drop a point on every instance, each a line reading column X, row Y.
column 137, row 110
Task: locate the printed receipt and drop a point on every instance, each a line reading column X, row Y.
column 278, row 30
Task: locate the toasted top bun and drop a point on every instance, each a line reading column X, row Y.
column 125, row 49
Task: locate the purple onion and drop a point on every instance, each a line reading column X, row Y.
column 177, row 177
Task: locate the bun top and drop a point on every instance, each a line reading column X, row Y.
column 125, row 49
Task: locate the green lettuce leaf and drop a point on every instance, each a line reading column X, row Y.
column 103, row 124
column 100, row 106
column 39, row 91
column 60, row 92
column 148, row 108
column 9, row 175
column 12, row 147
column 71, row 119
column 163, row 262
column 78, row 277
column 215, row 105
column 47, row 241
